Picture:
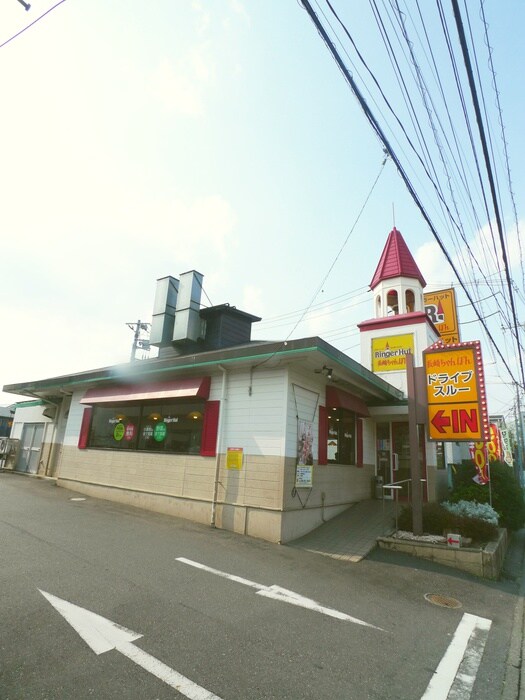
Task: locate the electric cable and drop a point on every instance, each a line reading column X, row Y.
column 31, row 24
column 380, row 134
column 466, row 57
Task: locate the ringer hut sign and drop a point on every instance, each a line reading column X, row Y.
column 457, row 406
column 389, row 353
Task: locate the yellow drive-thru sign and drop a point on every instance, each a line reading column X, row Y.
column 457, row 406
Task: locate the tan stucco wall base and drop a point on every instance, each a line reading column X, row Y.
column 159, row 503
column 258, row 500
column 299, row 522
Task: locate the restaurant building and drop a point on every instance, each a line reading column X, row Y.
column 268, row 439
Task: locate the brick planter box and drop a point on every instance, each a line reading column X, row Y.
column 485, row 562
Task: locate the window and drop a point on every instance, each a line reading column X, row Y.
column 392, row 303
column 341, row 445
column 169, row 426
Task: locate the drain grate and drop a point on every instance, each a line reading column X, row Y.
column 442, row 600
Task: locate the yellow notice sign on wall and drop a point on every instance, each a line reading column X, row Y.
column 234, row 457
column 389, row 354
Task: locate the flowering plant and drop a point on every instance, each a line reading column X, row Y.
column 473, row 509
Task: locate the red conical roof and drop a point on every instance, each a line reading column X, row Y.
column 396, row 261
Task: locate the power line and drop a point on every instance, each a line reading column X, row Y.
column 386, row 145
column 32, row 23
column 466, row 58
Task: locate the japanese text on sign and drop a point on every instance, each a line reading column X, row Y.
column 451, row 376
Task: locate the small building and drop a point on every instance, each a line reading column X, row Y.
column 268, row 439
column 6, row 420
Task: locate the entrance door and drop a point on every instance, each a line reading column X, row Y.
column 384, row 457
column 30, row 446
column 401, row 450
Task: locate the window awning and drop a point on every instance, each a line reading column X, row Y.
column 194, row 387
column 337, row 398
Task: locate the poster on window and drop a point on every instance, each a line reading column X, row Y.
column 305, row 458
column 331, row 450
column 305, row 443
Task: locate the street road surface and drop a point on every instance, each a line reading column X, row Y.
column 100, row 600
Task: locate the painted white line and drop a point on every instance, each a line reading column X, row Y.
column 465, row 649
column 102, row 635
column 281, row 594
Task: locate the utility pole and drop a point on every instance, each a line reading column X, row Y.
column 415, row 469
column 139, row 342
column 518, row 468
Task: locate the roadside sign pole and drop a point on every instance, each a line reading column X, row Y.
column 415, row 472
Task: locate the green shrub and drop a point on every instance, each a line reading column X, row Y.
column 507, row 496
column 437, row 520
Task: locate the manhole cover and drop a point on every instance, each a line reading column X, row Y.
column 442, row 600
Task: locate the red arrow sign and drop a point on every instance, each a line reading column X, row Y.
column 440, row 421
column 451, row 540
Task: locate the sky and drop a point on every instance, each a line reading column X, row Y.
column 144, row 139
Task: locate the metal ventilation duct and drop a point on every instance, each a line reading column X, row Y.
column 164, row 311
column 188, row 324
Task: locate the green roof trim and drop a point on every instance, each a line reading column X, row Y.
column 26, row 404
column 226, row 356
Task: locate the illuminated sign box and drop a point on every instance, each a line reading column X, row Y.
column 455, row 386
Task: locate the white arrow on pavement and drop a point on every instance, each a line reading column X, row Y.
column 282, row 594
column 103, row 635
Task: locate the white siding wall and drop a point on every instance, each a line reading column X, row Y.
column 254, row 421
column 306, row 391
column 369, row 442
column 28, row 414
column 74, row 420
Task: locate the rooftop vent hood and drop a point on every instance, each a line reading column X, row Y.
column 164, row 311
column 188, row 325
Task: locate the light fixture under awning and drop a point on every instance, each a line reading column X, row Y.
column 194, row 387
column 337, row 398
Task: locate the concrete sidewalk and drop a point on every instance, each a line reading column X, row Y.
column 351, row 535
column 514, row 688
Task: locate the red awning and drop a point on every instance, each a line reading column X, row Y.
column 337, row 398
column 196, row 387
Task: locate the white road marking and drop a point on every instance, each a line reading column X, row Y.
column 456, row 673
column 281, row 594
column 101, row 635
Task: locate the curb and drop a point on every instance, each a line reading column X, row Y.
column 514, row 680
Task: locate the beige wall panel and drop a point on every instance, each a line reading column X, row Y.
column 133, row 470
column 259, row 482
column 265, row 525
column 340, row 484
column 299, row 522
column 232, row 518
column 189, row 510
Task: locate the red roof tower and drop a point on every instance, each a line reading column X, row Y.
column 396, row 261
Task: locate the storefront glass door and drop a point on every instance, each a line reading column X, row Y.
column 401, row 458
column 384, row 457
